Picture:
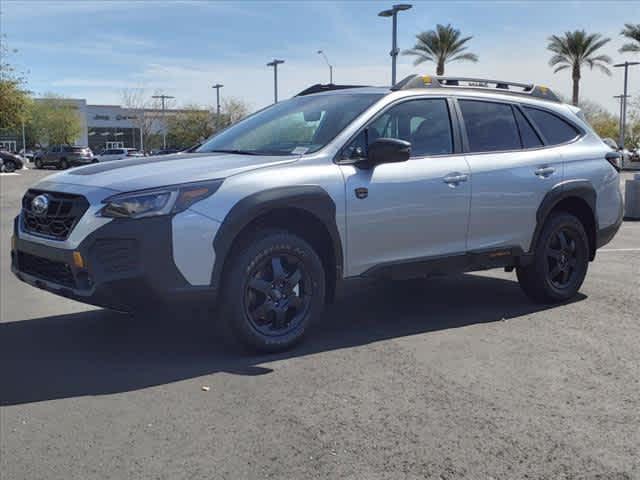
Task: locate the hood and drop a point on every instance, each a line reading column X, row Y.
column 150, row 172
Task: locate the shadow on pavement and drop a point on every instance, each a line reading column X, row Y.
column 100, row 352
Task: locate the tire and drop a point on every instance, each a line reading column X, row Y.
column 561, row 259
column 63, row 165
column 261, row 281
column 9, row 166
column 38, row 163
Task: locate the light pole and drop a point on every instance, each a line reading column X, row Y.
column 164, row 120
column 275, row 64
column 324, row 55
column 24, row 141
column 217, row 86
column 622, row 98
column 623, row 123
column 393, row 12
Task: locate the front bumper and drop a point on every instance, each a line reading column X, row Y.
column 126, row 265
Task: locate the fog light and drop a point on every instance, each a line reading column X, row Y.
column 78, row 261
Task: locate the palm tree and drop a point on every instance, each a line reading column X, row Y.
column 575, row 49
column 442, row 45
column 632, row 32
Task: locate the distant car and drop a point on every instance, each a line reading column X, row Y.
column 64, row 156
column 10, row 161
column 166, row 151
column 118, row 154
column 28, row 155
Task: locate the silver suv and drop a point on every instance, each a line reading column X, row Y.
column 273, row 214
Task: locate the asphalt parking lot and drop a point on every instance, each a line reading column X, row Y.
column 457, row 377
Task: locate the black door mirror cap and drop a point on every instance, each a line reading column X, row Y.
column 388, row 150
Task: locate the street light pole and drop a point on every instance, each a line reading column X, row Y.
column 393, row 12
column 24, row 142
column 621, row 134
column 324, row 55
column 164, row 119
column 275, row 64
column 217, row 86
column 623, row 123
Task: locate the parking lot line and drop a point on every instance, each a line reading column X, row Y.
column 619, row 250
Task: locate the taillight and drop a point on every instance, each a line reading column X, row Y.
column 615, row 159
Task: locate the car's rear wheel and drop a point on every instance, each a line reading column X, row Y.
column 274, row 289
column 561, row 259
column 64, row 164
column 9, row 166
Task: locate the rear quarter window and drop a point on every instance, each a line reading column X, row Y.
column 554, row 129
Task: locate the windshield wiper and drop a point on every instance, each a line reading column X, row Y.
column 238, row 152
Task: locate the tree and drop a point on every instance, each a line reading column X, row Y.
column 55, row 120
column 575, row 49
column 137, row 101
column 233, row 110
column 632, row 32
column 14, row 97
column 190, row 126
column 442, row 45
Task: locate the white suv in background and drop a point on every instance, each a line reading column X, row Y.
column 272, row 215
column 118, row 154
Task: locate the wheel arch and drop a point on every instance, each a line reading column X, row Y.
column 307, row 211
column 577, row 197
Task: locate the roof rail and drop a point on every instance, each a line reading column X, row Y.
column 428, row 81
column 319, row 87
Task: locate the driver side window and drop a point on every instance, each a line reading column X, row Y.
column 425, row 123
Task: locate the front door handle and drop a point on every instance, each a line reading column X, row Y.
column 454, row 179
column 545, row 172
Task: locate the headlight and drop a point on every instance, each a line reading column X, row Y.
column 158, row 201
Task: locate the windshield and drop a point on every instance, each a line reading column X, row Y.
column 293, row 127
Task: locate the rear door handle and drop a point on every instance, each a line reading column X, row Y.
column 545, row 172
column 455, row 178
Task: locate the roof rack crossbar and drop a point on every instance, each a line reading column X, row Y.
column 516, row 88
column 320, row 87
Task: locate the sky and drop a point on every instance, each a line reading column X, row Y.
column 95, row 49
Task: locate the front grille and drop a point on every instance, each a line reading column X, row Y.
column 62, row 215
column 45, row 269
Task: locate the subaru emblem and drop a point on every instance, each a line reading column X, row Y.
column 40, row 204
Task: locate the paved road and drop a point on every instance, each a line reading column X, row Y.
column 448, row 378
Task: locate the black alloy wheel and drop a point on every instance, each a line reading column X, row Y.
column 273, row 290
column 560, row 261
column 562, row 257
column 277, row 294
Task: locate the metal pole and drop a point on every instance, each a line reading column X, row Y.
column 624, row 103
column 164, row 118
column 326, row 59
column 218, row 86
column 394, row 47
column 275, row 64
column 331, row 74
column 24, row 142
column 393, row 13
column 623, row 126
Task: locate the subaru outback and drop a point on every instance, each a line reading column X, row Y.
column 271, row 216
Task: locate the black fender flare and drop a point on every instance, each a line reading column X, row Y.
column 582, row 189
column 312, row 199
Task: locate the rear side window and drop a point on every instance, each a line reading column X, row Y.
column 553, row 128
column 491, row 127
column 528, row 135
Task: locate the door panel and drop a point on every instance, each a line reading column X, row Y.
column 409, row 212
column 506, row 194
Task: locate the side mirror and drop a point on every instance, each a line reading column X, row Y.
column 388, row 150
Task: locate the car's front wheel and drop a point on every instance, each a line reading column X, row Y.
column 9, row 166
column 64, row 164
column 274, row 290
column 561, row 259
column 38, row 163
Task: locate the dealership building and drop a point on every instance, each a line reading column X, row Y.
column 107, row 126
